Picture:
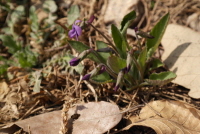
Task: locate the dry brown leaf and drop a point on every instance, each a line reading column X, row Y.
column 194, row 21
column 4, row 89
column 116, row 10
column 93, row 117
column 168, row 117
column 48, row 123
column 182, row 56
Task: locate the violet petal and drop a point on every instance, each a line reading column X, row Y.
column 77, row 29
column 72, row 33
column 77, row 21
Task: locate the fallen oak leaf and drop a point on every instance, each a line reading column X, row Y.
column 93, row 117
column 176, row 117
column 47, row 123
column 182, row 56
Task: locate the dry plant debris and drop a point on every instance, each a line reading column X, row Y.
column 93, row 117
column 48, row 123
column 168, row 117
column 116, row 7
column 182, row 56
column 58, row 83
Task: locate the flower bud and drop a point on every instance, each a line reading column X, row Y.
column 75, row 61
column 129, row 61
column 97, row 70
column 83, row 54
column 120, row 78
column 129, row 58
column 91, row 19
column 86, row 77
column 116, row 87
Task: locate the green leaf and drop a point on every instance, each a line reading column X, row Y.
column 119, row 41
column 73, row 14
column 80, row 47
column 50, row 5
column 17, row 14
column 6, row 6
column 3, row 69
column 34, row 19
column 26, row 57
column 161, row 78
column 127, row 20
column 156, row 63
column 101, row 44
column 116, row 63
column 37, row 79
column 9, row 42
column 157, row 32
column 142, row 59
column 101, row 79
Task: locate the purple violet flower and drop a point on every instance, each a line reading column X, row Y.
column 75, row 61
column 86, row 77
column 76, row 30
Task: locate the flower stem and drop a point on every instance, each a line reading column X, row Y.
column 110, row 42
column 139, row 68
column 137, row 38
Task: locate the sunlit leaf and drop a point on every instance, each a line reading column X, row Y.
column 50, row 5
column 17, row 14
column 157, row 32
column 73, row 14
column 156, row 63
column 119, row 41
column 116, row 63
column 161, row 78
column 101, row 79
column 80, row 47
column 26, row 57
column 101, row 44
column 126, row 21
column 142, row 59
column 34, row 19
